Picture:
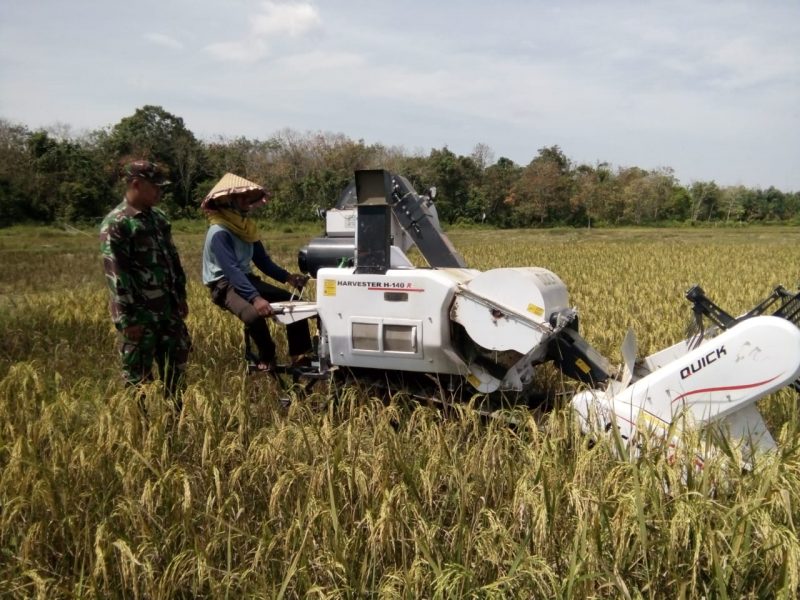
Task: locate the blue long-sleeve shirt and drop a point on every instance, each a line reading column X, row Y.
column 225, row 255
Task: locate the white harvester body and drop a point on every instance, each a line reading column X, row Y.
column 396, row 320
column 376, row 311
column 719, row 381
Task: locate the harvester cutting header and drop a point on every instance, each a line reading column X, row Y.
column 381, row 316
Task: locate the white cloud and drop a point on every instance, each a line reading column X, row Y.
column 291, row 19
column 295, row 18
column 161, row 39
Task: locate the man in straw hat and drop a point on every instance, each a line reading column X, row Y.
column 232, row 244
column 146, row 282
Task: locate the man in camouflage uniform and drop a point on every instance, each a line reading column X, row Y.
column 146, row 281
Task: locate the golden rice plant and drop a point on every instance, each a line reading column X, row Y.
column 346, row 492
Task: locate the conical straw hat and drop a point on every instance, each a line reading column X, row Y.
column 230, row 185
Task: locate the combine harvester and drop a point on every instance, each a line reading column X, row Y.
column 449, row 329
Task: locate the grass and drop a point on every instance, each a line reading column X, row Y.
column 345, row 495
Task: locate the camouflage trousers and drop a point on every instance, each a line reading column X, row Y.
column 167, row 343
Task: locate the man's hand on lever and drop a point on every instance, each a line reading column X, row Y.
column 297, row 281
column 262, row 307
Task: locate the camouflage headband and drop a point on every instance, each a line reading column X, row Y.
column 144, row 169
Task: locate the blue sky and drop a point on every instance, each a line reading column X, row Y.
column 711, row 89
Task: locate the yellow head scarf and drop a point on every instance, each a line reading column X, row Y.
column 242, row 227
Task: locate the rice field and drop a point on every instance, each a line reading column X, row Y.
column 342, row 494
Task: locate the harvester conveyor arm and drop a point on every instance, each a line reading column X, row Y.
column 416, row 221
column 500, row 310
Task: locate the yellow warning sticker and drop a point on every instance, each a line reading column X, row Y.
column 582, row 365
column 329, row 287
column 474, row 381
column 536, row 310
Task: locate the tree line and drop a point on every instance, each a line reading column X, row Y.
column 49, row 176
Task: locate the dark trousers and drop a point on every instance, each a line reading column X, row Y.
column 225, row 296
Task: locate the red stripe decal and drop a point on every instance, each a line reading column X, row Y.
column 724, row 388
column 392, row 289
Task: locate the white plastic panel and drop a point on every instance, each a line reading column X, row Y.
column 340, row 223
column 410, row 307
column 509, row 309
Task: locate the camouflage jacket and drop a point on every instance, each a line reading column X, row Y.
column 142, row 266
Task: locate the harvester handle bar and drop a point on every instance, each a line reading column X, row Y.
column 790, row 309
column 702, row 305
column 779, row 293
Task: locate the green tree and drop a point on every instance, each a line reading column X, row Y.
column 309, row 171
column 592, row 193
column 17, row 173
column 679, row 205
column 454, row 177
column 706, row 197
column 542, row 192
column 793, row 207
column 69, row 182
column 776, row 204
column 498, row 182
column 155, row 134
column 647, row 196
column 733, row 201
